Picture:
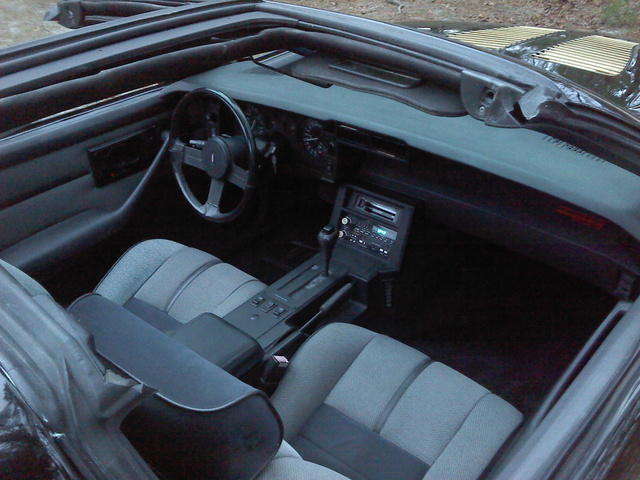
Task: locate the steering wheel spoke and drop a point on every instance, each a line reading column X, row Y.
column 182, row 154
column 193, row 157
column 215, row 193
column 239, row 176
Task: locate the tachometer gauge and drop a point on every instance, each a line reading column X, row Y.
column 256, row 119
column 314, row 139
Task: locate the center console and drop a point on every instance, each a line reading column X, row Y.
column 372, row 234
column 283, row 306
column 366, row 238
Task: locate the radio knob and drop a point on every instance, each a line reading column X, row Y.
column 341, row 234
column 346, row 220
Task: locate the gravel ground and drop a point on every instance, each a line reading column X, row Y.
column 604, row 16
column 21, row 20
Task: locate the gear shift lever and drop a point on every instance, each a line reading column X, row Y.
column 327, row 238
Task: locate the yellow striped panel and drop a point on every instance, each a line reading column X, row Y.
column 502, row 37
column 594, row 53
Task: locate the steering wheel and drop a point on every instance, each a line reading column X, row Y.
column 218, row 156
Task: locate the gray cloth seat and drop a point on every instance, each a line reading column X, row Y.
column 287, row 464
column 354, row 404
column 371, row 408
column 163, row 281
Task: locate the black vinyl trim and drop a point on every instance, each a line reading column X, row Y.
column 332, row 439
column 153, row 316
column 33, row 103
column 188, row 281
column 384, row 416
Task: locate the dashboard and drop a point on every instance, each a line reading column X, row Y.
column 514, row 187
column 526, row 157
column 500, row 210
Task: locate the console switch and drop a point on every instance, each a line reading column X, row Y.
column 257, row 301
column 267, row 306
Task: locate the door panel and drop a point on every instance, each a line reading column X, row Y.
column 51, row 206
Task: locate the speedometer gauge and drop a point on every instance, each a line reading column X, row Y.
column 314, row 139
column 256, row 120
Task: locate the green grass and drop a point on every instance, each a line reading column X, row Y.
column 621, row 13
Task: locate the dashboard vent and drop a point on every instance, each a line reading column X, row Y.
column 374, row 143
column 390, row 77
column 573, row 148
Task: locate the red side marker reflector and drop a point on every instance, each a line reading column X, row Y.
column 586, row 219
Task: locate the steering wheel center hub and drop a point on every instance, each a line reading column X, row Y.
column 216, row 157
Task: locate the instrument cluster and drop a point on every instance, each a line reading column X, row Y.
column 312, row 140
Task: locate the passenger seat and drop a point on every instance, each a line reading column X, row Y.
column 361, row 405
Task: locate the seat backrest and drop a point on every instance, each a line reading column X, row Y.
column 372, row 408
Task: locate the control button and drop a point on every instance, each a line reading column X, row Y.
column 257, row 301
column 268, row 306
column 345, row 220
column 341, row 234
column 278, row 312
column 254, row 317
column 329, row 167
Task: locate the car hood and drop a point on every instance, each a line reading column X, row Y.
column 606, row 66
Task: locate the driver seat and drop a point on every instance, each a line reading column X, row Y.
column 168, row 284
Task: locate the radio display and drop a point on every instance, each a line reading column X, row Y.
column 384, row 232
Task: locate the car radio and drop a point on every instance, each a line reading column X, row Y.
column 373, row 224
column 366, row 234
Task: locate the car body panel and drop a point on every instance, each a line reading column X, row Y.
column 581, row 57
column 51, row 363
column 560, row 202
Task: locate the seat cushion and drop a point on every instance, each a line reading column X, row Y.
column 289, row 465
column 358, row 402
column 176, row 280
